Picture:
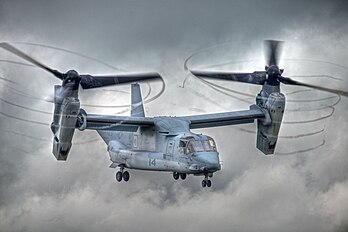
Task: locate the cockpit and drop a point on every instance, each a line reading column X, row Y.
column 190, row 144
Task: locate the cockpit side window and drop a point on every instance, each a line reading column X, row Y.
column 182, row 146
column 182, row 143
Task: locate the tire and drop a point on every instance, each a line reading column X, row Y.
column 183, row 176
column 204, row 183
column 175, row 175
column 208, row 183
column 126, row 176
column 119, row 176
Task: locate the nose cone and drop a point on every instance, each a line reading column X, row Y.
column 208, row 160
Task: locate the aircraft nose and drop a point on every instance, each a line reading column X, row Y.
column 210, row 160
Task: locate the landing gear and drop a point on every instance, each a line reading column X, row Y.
column 119, row 176
column 122, row 175
column 206, row 182
column 125, row 176
column 177, row 175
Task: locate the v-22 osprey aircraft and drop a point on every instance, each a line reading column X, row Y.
column 166, row 143
column 162, row 143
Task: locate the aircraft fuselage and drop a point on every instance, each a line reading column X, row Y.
column 148, row 149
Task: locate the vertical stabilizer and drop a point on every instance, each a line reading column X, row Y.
column 137, row 107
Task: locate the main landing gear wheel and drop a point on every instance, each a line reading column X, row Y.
column 175, row 175
column 122, row 175
column 125, row 176
column 204, row 183
column 119, row 176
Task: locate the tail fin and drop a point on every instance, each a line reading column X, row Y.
column 137, row 107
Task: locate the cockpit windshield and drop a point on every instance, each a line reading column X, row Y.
column 191, row 145
column 209, row 145
column 195, row 146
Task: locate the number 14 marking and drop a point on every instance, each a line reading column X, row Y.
column 152, row 162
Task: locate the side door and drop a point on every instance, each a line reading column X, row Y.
column 170, row 149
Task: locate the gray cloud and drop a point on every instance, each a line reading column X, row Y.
column 304, row 192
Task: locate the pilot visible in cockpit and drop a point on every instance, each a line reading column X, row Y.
column 190, row 148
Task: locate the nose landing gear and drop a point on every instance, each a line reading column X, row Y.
column 206, row 182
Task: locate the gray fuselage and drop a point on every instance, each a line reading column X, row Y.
column 158, row 149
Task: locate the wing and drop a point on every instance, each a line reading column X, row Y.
column 131, row 124
column 257, row 77
column 89, row 81
column 117, row 123
column 224, row 119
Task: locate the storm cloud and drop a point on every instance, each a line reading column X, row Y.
column 306, row 191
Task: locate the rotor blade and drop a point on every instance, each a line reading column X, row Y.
column 289, row 81
column 257, row 77
column 21, row 54
column 89, row 81
column 273, row 50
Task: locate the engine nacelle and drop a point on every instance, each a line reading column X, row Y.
column 268, row 130
column 68, row 118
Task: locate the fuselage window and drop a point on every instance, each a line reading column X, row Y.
column 182, row 146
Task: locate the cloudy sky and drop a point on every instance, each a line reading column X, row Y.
column 304, row 187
